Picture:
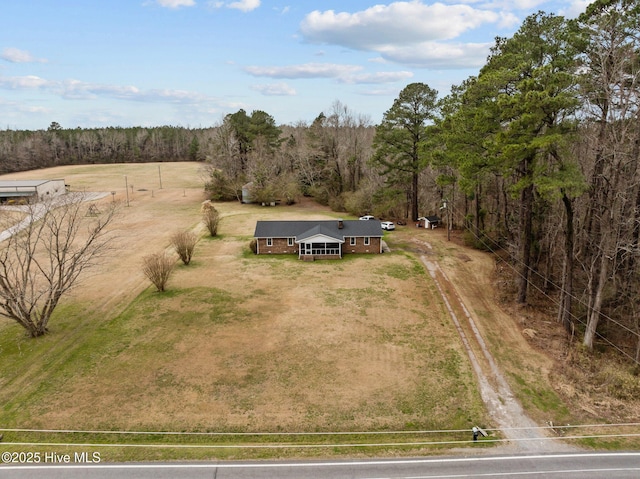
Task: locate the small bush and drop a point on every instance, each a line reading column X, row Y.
column 184, row 243
column 211, row 219
column 158, row 267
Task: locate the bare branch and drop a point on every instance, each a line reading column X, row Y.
column 158, row 267
column 44, row 258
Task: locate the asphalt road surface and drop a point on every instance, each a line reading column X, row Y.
column 579, row 465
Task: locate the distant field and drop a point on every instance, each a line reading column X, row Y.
column 238, row 342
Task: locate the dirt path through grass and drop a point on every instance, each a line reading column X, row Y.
column 241, row 342
column 522, row 432
column 238, row 342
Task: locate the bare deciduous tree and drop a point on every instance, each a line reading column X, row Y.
column 184, row 242
column 44, row 256
column 158, row 267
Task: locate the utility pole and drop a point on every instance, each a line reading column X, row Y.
column 126, row 188
column 446, row 212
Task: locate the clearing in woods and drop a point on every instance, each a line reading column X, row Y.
column 247, row 343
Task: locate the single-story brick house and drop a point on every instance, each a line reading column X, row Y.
column 318, row 239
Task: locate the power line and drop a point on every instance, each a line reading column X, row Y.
column 317, row 445
column 324, row 445
column 559, row 287
column 310, row 433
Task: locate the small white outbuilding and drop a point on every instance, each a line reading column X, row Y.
column 30, row 190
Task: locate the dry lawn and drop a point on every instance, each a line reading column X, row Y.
column 238, row 342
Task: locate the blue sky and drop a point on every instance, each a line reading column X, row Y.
column 95, row 63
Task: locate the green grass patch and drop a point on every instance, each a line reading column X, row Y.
column 539, row 395
column 414, row 269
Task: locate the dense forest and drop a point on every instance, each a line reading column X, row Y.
column 536, row 157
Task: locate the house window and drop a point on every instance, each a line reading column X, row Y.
column 352, row 241
column 325, row 248
column 269, row 241
column 366, row 241
column 289, row 241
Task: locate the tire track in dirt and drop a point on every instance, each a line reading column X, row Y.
column 522, row 432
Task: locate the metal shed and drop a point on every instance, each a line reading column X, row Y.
column 29, row 190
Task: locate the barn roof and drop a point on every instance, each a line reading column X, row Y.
column 22, row 183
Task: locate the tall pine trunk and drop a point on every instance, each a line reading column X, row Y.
column 526, row 241
column 414, row 196
column 566, row 291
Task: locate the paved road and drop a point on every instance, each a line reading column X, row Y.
column 555, row 466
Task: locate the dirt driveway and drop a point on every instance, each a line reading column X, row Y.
column 380, row 353
column 523, row 433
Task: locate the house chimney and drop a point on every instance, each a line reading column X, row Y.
column 340, row 224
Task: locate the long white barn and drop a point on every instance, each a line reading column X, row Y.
column 30, row 190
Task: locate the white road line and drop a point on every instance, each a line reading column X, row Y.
column 346, row 463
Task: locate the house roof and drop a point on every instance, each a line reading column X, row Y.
column 317, row 230
column 306, row 229
column 431, row 219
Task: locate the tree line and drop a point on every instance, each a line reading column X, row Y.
column 542, row 148
column 535, row 156
column 27, row 150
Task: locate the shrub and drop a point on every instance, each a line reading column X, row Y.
column 184, row 242
column 220, row 188
column 158, row 267
column 210, row 218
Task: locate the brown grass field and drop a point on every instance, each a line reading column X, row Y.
column 244, row 343
column 238, row 342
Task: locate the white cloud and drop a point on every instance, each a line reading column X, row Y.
column 342, row 73
column 410, row 32
column 76, row 89
column 508, row 20
column 307, row 70
column 16, row 107
column 15, row 55
column 396, row 23
column 380, row 92
column 242, row 5
column 275, row 89
column 30, row 82
column 437, row 55
column 245, row 5
column 377, row 78
column 513, row 4
column 575, row 8
column 175, row 3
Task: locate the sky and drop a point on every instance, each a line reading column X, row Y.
column 188, row 63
